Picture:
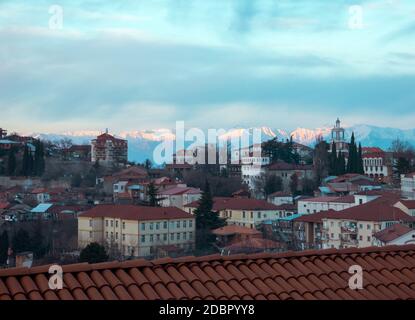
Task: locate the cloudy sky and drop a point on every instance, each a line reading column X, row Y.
column 130, row 65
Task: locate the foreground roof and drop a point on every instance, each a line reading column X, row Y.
column 388, row 273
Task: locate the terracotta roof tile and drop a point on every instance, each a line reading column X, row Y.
column 389, row 273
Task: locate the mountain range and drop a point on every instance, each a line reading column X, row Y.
column 142, row 142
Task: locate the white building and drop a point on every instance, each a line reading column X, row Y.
column 408, row 185
column 396, row 234
column 178, row 196
column 317, row 204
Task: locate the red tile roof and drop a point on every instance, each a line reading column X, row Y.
column 393, row 232
column 234, row 229
column 410, row 204
column 223, row 203
column 131, row 212
column 315, row 217
column 388, row 273
column 380, row 209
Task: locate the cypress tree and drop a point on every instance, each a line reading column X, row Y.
column 39, row 161
column 341, row 166
column 352, row 160
column 25, row 162
column 11, row 162
column 152, row 195
column 360, row 160
column 333, row 160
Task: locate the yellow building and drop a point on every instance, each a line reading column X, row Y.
column 137, row 230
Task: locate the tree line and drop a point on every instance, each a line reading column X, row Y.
column 32, row 164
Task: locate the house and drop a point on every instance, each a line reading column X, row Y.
column 280, row 197
column 178, row 196
column 324, row 203
column 240, row 211
column 286, row 210
column 41, row 211
column 407, row 206
column 408, row 186
column 78, row 152
column 349, row 183
column 396, row 234
column 108, row 150
column 233, row 233
column 136, row 231
column 377, row 164
column 286, row 170
column 309, row 275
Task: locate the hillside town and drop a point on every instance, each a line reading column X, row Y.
column 65, row 203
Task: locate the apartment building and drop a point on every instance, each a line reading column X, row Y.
column 137, row 230
column 109, row 150
column 356, row 226
column 241, row 211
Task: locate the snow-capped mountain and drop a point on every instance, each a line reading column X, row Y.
column 142, row 142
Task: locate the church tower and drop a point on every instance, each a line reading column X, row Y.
column 338, row 137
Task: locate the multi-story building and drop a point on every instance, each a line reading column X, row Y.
column 178, row 196
column 136, row 230
column 324, row 203
column 408, row 186
column 241, row 211
column 356, row 226
column 109, row 150
column 377, row 164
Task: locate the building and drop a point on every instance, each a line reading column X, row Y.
column 408, row 186
column 349, row 183
column 286, row 170
column 136, row 230
column 311, row 275
column 339, row 139
column 377, row 164
column 108, row 150
column 407, row 206
column 178, row 196
column 356, row 226
column 280, row 197
column 324, row 203
column 241, row 211
column 396, row 234
column 78, row 152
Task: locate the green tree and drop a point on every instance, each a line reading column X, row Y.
column 27, row 162
column 11, row 162
column 403, row 166
column 152, row 195
column 360, row 168
column 353, row 159
column 4, row 246
column 273, row 184
column 76, row 180
column 21, row 241
column 93, row 253
column 39, row 160
column 206, row 220
column 294, row 184
column 321, row 161
column 37, row 241
column 341, row 164
column 148, row 164
column 333, row 170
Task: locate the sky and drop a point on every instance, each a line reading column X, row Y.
column 144, row 64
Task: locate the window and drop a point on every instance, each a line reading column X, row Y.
column 151, row 225
column 360, row 201
column 331, row 224
column 106, row 223
column 158, row 237
column 178, row 236
column 360, row 226
column 259, row 215
column 143, row 226
column 368, row 238
column 178, row 224
column 157, row 225
column 143, row 238
column 230, row 214
column 252, row 215
column 332, row 235
column 368, row 227
column 112, row 223
column 184, row 223
column 116, row 236
column 112, row 235
column 116, row 223
column 90, row 222
column 123, row 237
column 165, row 237
column 243, row 214
column 151, row 238
column 123, row 225
column 184, row 235
column 190, row 235
column 165, row 224
column 171, row 236
column 360, row 238
column 190, row 223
